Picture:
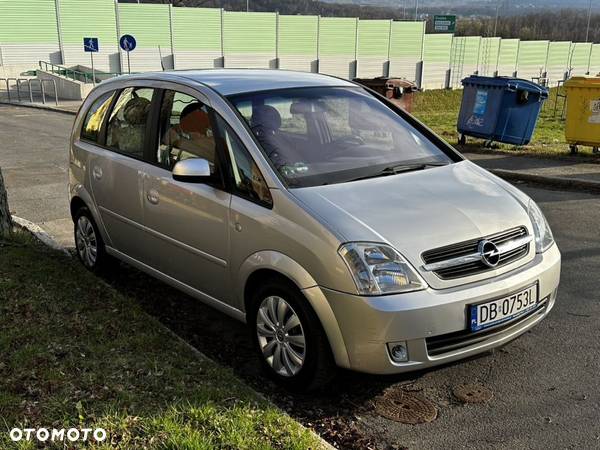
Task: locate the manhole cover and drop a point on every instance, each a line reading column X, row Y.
column 472, row 393
column 405, row 407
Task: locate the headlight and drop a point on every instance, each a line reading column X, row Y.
column 541, row 229
column 379, row 269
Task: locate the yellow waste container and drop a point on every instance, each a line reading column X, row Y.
column 583, row 112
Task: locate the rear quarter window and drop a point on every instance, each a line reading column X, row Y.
column 95, row 117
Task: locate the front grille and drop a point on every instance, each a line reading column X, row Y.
column 469, row 247
column 438, row 345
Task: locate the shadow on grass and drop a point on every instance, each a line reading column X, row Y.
column 332, row 412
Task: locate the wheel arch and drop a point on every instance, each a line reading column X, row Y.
column 79, row 198
column 266, row 264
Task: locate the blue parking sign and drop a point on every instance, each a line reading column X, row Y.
column 90, row 44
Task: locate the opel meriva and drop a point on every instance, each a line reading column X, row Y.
column 340, row 228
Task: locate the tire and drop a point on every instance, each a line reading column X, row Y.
column 596, row 150
column 574, row 149
column 270, row 338
column 89, row 245
column 462, row 140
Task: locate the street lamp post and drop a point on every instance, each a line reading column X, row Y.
column 496, row 22
column 587, row 32
column 416, row 9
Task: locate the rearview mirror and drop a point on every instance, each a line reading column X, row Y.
column 195, row 170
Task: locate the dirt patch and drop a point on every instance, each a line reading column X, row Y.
column 405, row 407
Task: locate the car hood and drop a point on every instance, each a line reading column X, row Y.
column 419, row 211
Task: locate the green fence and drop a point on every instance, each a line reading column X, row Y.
column 249, row 39
column 197, row 46
column 179, row 37
column 150, row 25
column 406, row 48
column 298, row 43
column 558, row 61
column 488, row 56
column 464, row 58
column 373, row 49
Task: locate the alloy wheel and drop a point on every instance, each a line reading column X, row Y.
column 280, row 336
column 86, row 242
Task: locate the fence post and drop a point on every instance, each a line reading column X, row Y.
column 59, row 30
column 43, row 92
column 222, row 38
column 118, row 27
column 387, row 64
column 317, row 62
column 171, row 35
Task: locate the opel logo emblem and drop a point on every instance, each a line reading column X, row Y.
column 489, row 253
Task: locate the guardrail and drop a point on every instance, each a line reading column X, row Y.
column 18, row 82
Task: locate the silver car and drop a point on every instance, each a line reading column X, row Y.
column 338, row 227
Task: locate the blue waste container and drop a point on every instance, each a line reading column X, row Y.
column 500, row 109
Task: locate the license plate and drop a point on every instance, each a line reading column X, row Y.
column 503, row 309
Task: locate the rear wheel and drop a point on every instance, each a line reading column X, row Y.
column 574, row 149
column 289, row 339
column 596, row 150
column 88, row 241
column 462, row 140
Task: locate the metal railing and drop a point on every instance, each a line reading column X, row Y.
column 77, row 75
column 66, row 72
column 18, row 82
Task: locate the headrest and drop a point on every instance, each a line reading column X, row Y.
column 266, row 117
column 194, row 119
column 136, row 111
column 304, row 107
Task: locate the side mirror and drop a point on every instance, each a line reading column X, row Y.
column 195, row 170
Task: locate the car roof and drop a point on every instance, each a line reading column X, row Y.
column 239, row 81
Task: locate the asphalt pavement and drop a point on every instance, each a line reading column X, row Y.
column 545, row 385
column 34, row 163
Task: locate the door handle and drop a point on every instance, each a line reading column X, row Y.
column 153, row 196
column 97, row 172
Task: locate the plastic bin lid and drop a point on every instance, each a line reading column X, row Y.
column 585, row 82
column 505, row 82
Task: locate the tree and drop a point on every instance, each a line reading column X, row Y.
column 5, row 220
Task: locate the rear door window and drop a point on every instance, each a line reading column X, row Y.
column 126, row 131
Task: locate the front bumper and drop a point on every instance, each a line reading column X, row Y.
column 433, row 323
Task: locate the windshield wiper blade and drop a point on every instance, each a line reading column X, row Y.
column 402, row 168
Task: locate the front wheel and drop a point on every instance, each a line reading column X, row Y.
column 290, row 341
column 574, row 149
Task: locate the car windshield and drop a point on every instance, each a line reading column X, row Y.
column 317, row 136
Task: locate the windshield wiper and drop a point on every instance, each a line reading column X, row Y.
column 402, row 168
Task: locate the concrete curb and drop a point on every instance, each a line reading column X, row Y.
column 42, row 106
column 556, row 182
column 40, row 234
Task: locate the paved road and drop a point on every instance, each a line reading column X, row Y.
column 34, row 162
column 546, row 385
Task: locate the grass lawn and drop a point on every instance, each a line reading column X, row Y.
column 439, row 110
column 76, row 353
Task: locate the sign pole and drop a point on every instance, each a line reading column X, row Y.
column 93, row 70
column 128, row 64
